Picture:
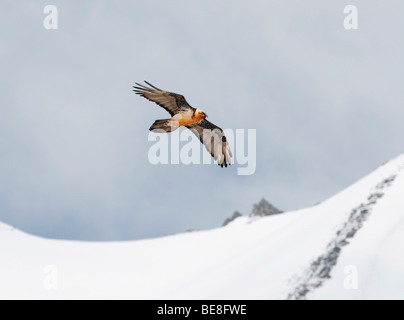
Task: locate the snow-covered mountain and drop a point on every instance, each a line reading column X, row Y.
column 348, row 247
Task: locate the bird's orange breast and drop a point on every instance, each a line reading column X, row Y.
column 187, row 118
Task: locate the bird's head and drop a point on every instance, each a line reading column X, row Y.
column 202, row 113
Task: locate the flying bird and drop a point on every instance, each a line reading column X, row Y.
column 182, row 114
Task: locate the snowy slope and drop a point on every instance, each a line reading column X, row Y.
column 356, row 236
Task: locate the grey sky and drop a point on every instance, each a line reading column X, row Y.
column 326, row 104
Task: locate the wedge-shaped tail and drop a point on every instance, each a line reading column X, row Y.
column 164, row 125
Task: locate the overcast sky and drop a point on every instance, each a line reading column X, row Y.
column 326, row 104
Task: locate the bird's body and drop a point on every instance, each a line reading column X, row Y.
column 182, row 114
column 185, row 118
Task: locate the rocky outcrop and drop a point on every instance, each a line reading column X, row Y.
column 262, row 209
column 235, row 215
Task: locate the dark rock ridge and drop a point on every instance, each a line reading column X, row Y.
column 320, row 269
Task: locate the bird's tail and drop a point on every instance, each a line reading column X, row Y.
column 165, row 125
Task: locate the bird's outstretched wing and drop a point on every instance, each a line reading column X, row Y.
column 172, row 102
column 214, row 140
